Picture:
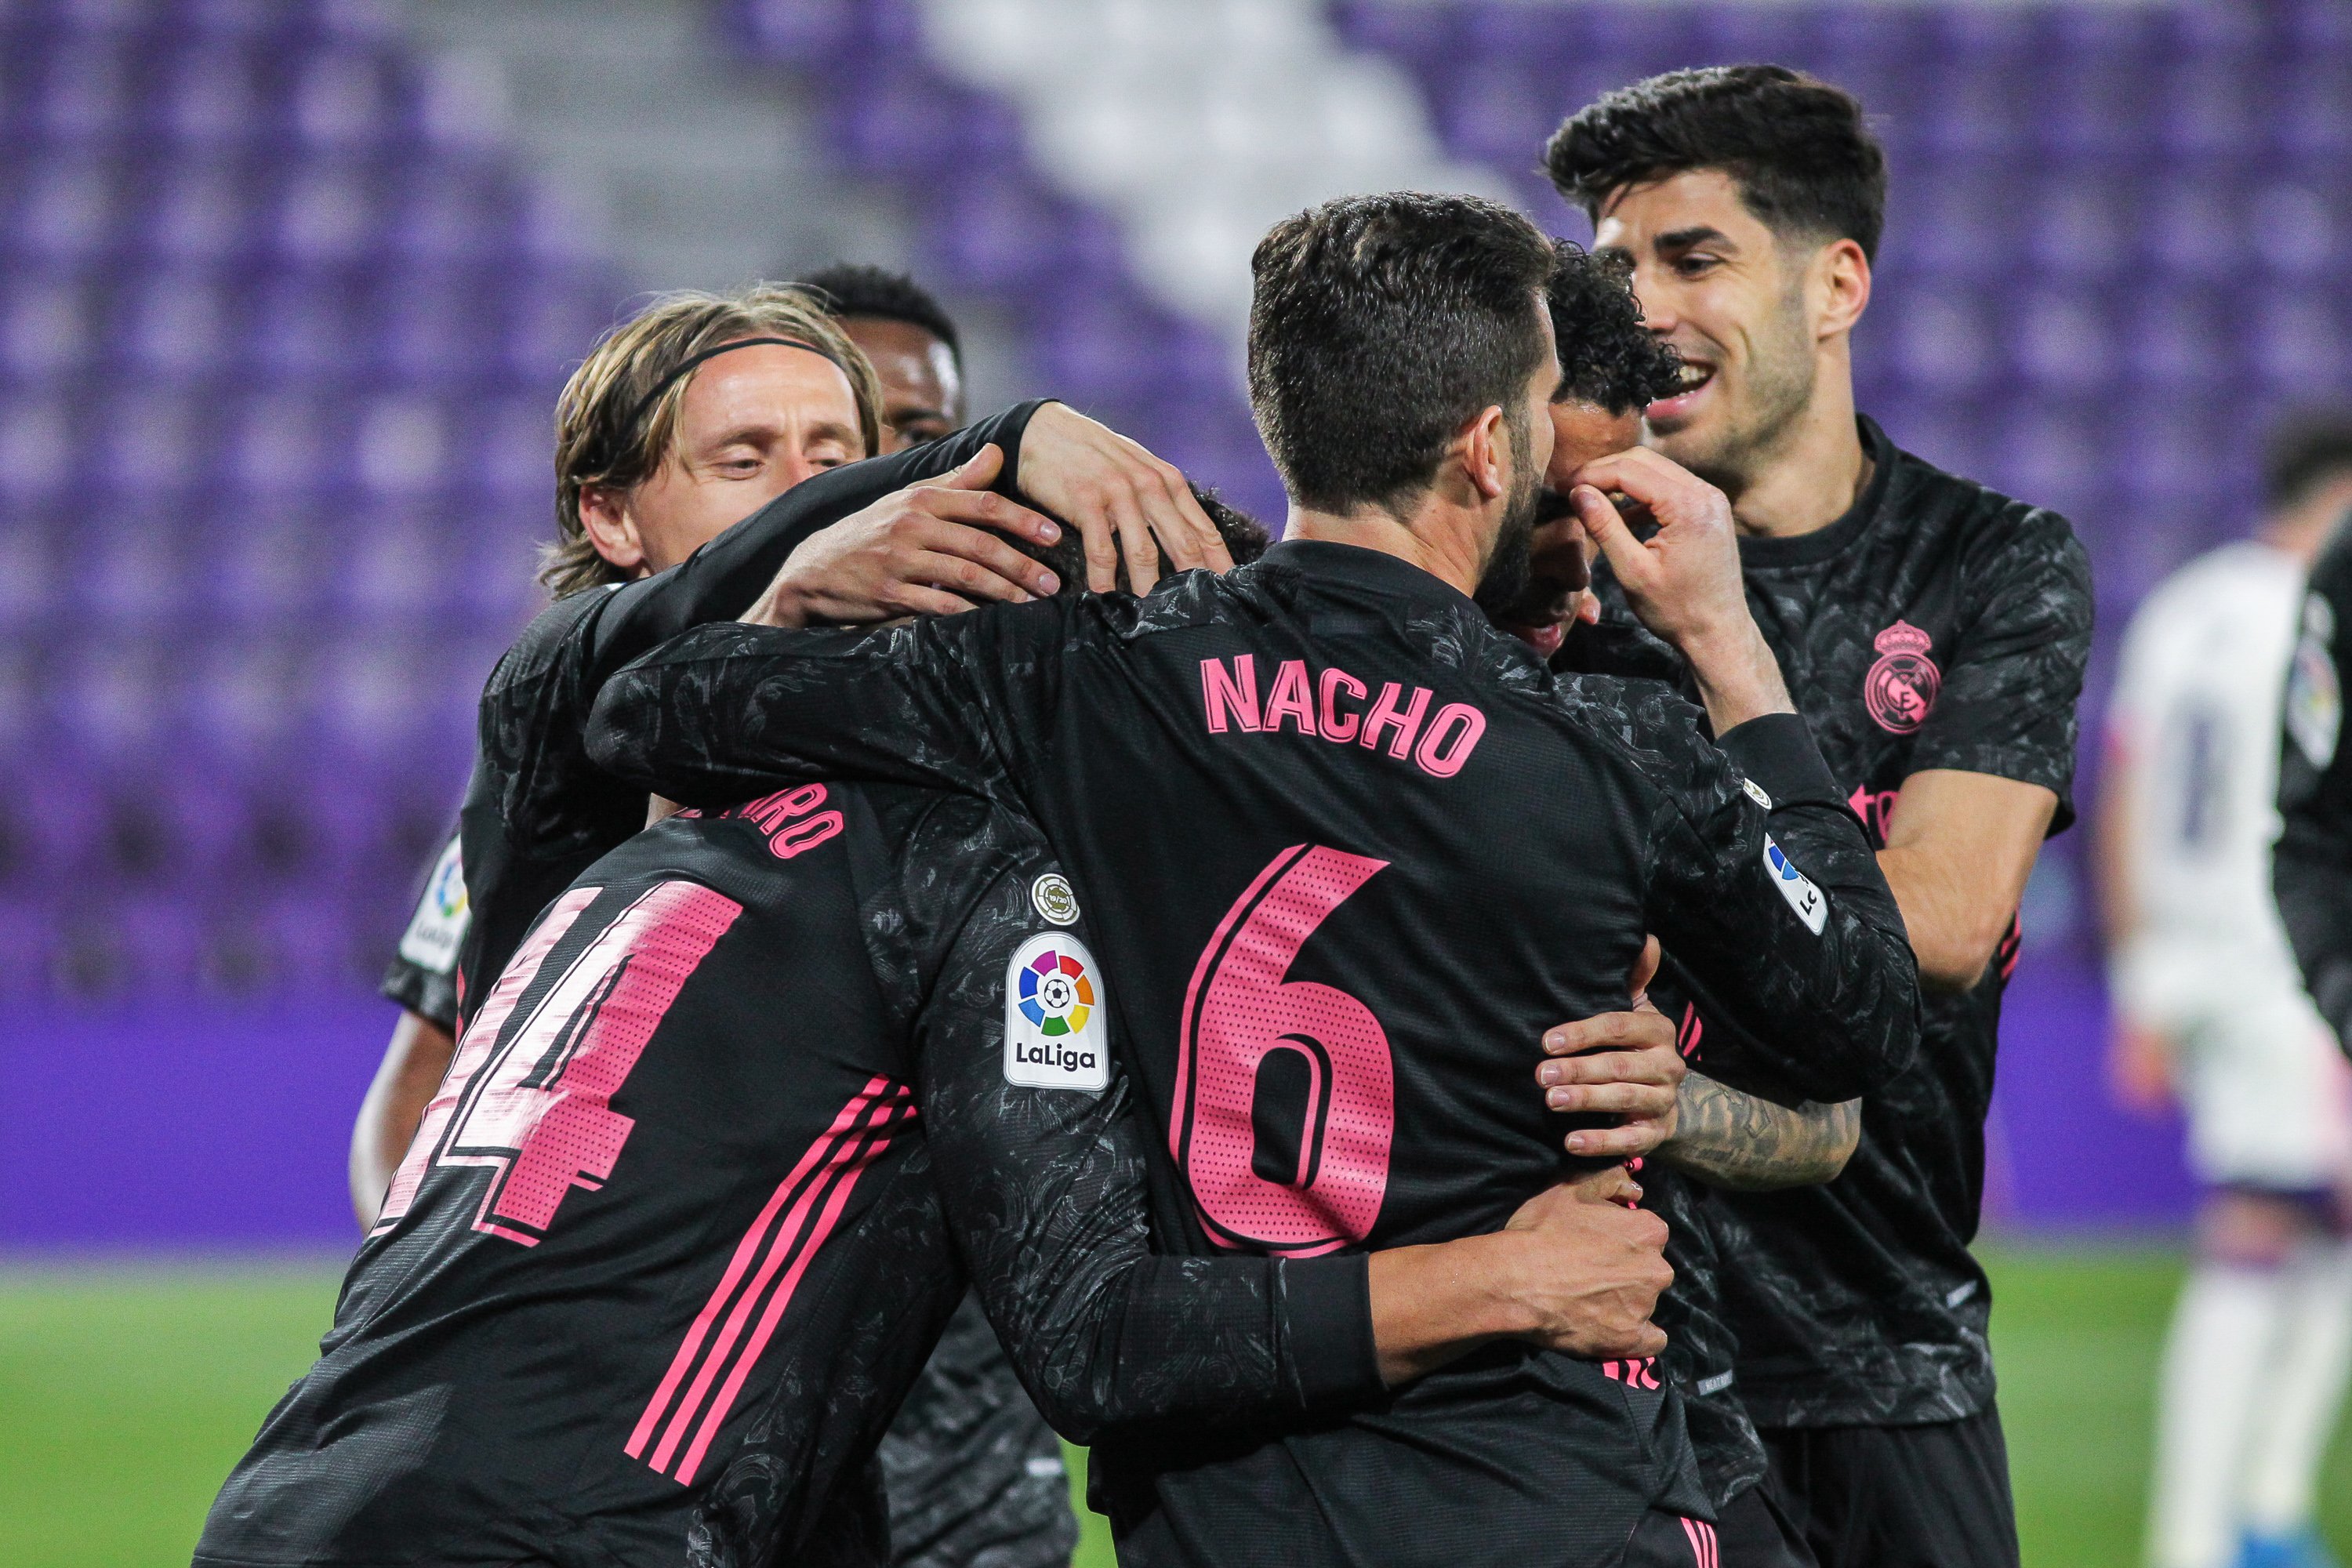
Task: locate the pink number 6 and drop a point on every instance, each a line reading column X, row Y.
column 1239, row 1011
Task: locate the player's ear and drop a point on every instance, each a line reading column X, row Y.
column 612, row 526
column 1483, row 444
column 1841, row 286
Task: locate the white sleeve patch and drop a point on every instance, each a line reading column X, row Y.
column 2314, row 697
column 438, row 926
column 1796, row 887
column 1055, row 1035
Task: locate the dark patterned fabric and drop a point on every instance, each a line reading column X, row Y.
column 675, row 1242
column 1418, row 909
column 1937, row 625
column 974, row 1475
column 2312, row 873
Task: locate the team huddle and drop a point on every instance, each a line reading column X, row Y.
column 1461, row 1036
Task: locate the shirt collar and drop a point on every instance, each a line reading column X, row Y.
column 1370, row 571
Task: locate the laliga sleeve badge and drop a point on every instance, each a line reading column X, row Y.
column 1055, row 898
column 1796, row 887
column 2314, row 696
column 1055, row 1035
column 437, row 929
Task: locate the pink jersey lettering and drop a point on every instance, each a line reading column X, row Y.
column 1338, row 726
column 1386, row 716
column 1230, row 693
column 473, row 1050
column 538, row 1112
column 1452, row 736
column 1239, row 1011
column 1290, row 699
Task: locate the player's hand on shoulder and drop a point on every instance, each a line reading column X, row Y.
column 1119, row 496
column 1590, row 1268
column 928, row 549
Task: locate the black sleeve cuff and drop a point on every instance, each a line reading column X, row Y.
column 1777, row 753
column 1011, row 426
column 1326, row 1306
column 433, row 997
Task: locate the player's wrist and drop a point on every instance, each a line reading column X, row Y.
column 1739, row 677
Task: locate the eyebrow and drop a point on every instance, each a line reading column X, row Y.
column 1684, row 238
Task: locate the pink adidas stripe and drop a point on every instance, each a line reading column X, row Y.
column 777, row 1302
column 689, row 1351
column 825, row 1176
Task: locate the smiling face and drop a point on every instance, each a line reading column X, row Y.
column 752, row 424
column 1737, row 301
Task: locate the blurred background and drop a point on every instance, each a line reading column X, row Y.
column 286, row 289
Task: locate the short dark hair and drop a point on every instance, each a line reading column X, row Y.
column 1246, row 538
column 2305, row 450
column 853, row 289
column 1378, row 326
column 1606, row 355
column 1798, row 149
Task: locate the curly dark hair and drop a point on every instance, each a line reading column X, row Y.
column 1606, row 355
column 1797, row 147
column 854, row 288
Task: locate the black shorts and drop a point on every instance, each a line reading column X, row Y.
column 1755, row 1533
column 973, row 1473
column 1897, row 1497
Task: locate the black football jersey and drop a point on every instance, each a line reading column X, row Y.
column 1353, row 851
column 2312, row 871
column 671, row 1244
column 1936, row 625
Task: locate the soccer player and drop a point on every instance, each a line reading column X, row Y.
column 1352, row 850
column 2208, row 1006
column 703, row 1149
column 1934, row 634
column 1723, row 1138
column 645, row 479
column 910, row 341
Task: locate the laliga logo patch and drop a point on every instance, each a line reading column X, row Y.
column 1055, row 898
column 1054, row 1034
column 1901, row 687
column 1796, row 887
column 438, row 926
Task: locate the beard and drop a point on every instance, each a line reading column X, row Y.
column 1508, row 570
column 1779, row 388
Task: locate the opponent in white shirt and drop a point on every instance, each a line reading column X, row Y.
column 2211, row 1008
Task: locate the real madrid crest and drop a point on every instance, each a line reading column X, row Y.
column 1900, row 689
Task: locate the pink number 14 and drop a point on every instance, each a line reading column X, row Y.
column 1239, row 1011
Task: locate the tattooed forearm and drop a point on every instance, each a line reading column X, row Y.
column 1734, row 1140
